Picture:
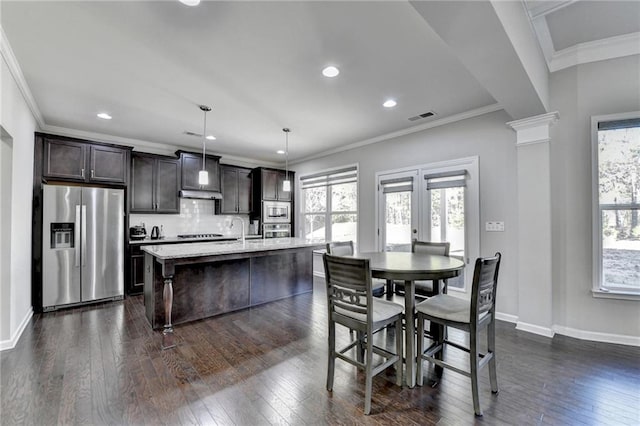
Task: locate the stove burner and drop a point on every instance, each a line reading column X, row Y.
column 199, row 235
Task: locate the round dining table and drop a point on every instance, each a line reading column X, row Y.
column 409, row 267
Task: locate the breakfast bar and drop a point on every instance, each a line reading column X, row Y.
column 188, row 282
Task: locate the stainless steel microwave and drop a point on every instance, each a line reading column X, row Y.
column 276, row 212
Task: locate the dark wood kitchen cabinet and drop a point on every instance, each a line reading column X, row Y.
column 269, row 184
column 236, row 190
column 74, row 160
column 136, row 277
column 192, row 164
column 155, row 182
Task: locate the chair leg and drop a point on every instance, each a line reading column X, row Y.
column 331, row 355
column 360, row 346
column 399, row 339
column 368, row 377
column 420, row 350
column 475, row 366
column 491, row 349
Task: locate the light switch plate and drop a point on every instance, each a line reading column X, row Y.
column 494, row 226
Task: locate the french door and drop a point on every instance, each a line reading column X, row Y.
column 435, row 202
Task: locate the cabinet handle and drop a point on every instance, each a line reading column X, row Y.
column 92, row 174
column 82, row 173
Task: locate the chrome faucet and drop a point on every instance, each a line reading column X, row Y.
column 241, row 222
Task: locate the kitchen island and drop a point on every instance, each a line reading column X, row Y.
column 188, row 282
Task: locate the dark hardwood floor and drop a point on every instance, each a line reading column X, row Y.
column 102, row 364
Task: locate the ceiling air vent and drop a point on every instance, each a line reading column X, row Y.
column 423, row 115
column 188, row 133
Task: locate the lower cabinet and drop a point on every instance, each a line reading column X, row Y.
column 136, row 273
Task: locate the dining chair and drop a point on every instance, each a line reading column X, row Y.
column 351, row 304
column 425, row 288
column 469, row 316
column 345, row 248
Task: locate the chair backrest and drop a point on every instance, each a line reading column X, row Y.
column 485, row 283
column 427, row 247
column 348, row 286
column 340, row 248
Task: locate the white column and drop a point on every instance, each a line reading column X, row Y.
column 535, row 312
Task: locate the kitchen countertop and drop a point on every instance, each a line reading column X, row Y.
column 176, row 240
column 212, row 248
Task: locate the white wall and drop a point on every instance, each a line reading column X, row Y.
column 486, row 137
column 578, row 93
column 18, row 122
column 6, row 159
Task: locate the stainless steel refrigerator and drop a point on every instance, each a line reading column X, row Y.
column 83, row 245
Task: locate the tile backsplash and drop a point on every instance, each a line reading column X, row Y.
column 196, row 217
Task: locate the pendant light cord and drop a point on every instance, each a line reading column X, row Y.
column 286, row 131
column 204, row 139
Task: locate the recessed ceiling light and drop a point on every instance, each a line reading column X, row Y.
column 280, row 151
column 389, row 103
column 330, row 71
column 190, row 2
column 104, row 116
column 211, row 137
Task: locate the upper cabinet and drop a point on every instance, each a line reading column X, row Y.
column 155, row 181
column 268, row 184
column 74, row 160
column 191, row 166
column 236, row 190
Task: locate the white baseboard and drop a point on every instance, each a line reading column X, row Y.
column 620, row 339
column 535, row 329
column 11, row 343
column 507, row 317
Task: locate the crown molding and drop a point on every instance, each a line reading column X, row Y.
column 151, row 147
column 598, row 50
column 16, row 72
column 541, row 9
column 415, row 129
column 534, row 129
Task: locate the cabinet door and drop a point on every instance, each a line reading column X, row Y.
column 282, row 195
column 191, row 166
column 137, row 274
column 244, row 191
column 64, row 160
column 142, row 183
column 229, row 181
column 269, row 185
column 167, row 185
column 108, row 164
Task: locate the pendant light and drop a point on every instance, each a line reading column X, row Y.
column 203, row 175
column 286, row 184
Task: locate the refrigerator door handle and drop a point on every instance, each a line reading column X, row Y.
column 84, row 235
column 76, row 235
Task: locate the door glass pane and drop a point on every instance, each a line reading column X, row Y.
column 397, row 211
column 314, row 226
column 343, row 227
column 447, row 223
column 621, row 249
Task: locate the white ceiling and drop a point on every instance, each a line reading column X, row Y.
column 258, row 64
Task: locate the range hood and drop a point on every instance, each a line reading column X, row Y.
column 200, row 195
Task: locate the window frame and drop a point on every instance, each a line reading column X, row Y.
column 329, row 212
column 598, row 290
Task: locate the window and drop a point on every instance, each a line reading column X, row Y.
column 616, row 163
column 330, row 208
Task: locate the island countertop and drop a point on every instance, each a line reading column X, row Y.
column 213, row 248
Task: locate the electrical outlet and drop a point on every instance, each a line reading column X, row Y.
column 494, row 226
